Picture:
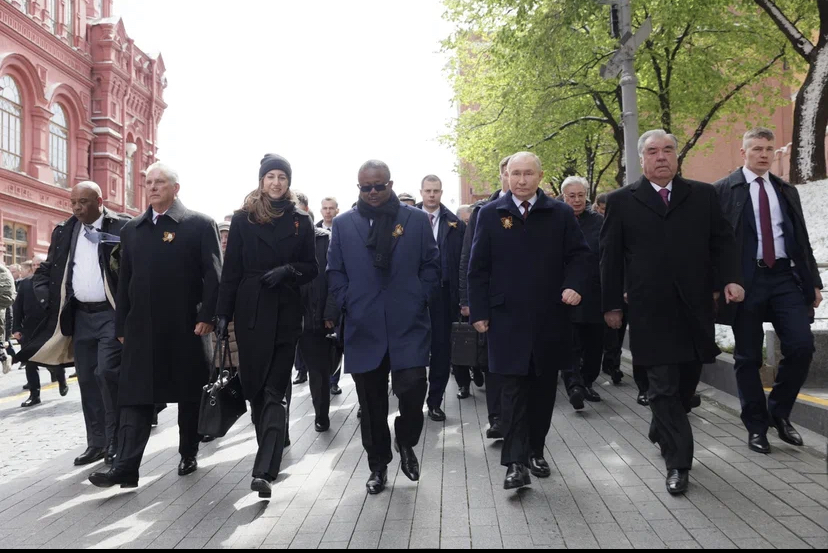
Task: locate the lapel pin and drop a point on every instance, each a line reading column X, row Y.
column 398, row 231
column 169, row 236
column 507, row 222
column 453, row 224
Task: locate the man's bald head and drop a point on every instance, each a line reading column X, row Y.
column 376, row 165
column 87, row 202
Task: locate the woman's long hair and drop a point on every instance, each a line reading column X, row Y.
column 258, row 205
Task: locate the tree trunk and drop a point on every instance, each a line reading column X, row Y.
column 811, row 118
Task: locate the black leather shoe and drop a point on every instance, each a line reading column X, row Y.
column 26, row 387
column 188, row 465
column 376, row 483
column 539, row 467
column 91, row 455
column 436, row 414
column 695, row 401
column 322, row 426
column 301, row 378
column 111, row 452
column 591, row 395
column 34, row 399
column 113, row 477
column 154, row 420
column 408, row 462
column 208, row 439
column 478, row 377
column 495, row 432
column 759, row 443
column 617, row 376
column 516, row 477
column 335, row 390
column 787, row 433
column 261, row 486
column 677, row 481
column 576, row 397
column 287, row 439
column 463, row 393
column 63, row 388
column 643, row 399
column 359, row 413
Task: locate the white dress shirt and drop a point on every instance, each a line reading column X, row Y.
column 777, row 219
column 87, row 275
column 156, row 215
column 434, row 219
column 519, row 203
column 669, row 188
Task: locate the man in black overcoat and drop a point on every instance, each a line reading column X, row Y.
column 667, row 245
column 444, row 308
column 167, row 293
column 782, row 285
column 481, row 374
column 528, row 265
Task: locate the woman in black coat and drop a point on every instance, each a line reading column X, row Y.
column 270, row 254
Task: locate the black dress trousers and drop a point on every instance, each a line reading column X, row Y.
column 671, row 391
column 321, row 359
column 270, row 413
column 410, row 386
column 528, row 403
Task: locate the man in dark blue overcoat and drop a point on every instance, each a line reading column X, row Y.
column 383, row 268
column 529, row 264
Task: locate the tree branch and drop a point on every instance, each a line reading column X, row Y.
column 718, row 105
column 493, row 121
column 800, row 42
column 566, row 126
column 607, row 166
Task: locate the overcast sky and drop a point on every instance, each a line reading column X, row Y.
column 327, row 84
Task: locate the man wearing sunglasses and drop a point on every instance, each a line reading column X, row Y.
column 383, row 268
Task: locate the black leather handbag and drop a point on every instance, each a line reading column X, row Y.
column 468, row 347
column 222, row 400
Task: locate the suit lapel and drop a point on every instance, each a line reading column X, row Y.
column 402, row 219
column 361, row 225
column 506, row 203
column 646, row 194
column 442, row 232
column 681, row 191
column 276, row 231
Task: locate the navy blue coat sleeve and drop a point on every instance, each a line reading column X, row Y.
column 577, row 269
column 612, row 257
column 337, row 275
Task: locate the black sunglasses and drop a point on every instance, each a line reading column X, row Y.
column 368, row 187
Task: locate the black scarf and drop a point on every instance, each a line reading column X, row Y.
column 381, row 235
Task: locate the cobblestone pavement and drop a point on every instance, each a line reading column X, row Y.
column 606, row 490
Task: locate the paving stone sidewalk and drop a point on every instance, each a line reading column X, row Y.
column 606, row 490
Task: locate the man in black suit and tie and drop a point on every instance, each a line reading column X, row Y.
column 667, row 245
column 81, row 286
column 782, row 283
column 529, row 263
column 329, row 211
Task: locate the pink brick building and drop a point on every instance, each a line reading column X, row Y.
column 78, row 101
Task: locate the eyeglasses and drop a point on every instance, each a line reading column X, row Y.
column 368, row 187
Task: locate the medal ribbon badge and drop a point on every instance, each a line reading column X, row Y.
column 169, row 237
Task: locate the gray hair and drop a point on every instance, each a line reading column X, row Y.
column 301, row 198
column 90, row 185
column 574, row 179
column 464, row 207
column 166, row 170
column 655, row 133
column 758, row 132
column 530, row 155
column 376, row 164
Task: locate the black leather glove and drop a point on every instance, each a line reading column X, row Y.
column 275, row 277
column 221, row 326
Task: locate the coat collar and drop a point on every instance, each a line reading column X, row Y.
column 175, row 212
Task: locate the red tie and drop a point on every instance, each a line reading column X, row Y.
column 525, row 206
column 768, row 250
column 665, row 195
column 431, row 218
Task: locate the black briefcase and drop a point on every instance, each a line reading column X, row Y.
column 222, row 400
column 468, row 347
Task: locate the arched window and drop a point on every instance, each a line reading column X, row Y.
column 59, row 146
column 69, row 18
column 11, row 124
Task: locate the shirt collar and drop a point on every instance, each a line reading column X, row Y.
column 669, row 186
column 98, row 225
column 156, row 215
column 750, row 176
column 435, row 213
column 531, row 200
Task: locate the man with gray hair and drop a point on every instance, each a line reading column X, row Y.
column 81, row 287
column 464, row 213
column 783, row 286
column 667, row 251
column 165, row 310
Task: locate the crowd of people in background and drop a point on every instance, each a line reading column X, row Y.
column 551, row 282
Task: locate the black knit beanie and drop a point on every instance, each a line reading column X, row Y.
column 272, row 162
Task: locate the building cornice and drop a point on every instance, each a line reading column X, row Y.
column 23, row 27
column 24, row 188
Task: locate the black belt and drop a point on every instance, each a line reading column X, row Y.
column 94, row 307
column 781, row 263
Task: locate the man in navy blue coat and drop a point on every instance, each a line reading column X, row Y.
column 448, row 231
column 383, row 268
column 529, row 264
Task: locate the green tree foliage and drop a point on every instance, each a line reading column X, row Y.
column 526, row 73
